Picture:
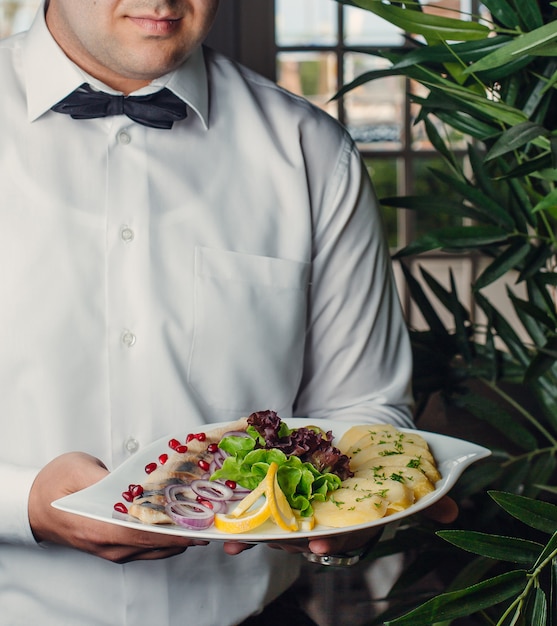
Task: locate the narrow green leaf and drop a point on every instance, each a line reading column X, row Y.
column 550, row 548
column 541, row 471
column 516, row 137
column 433, row 27
column 534, row 319
column 465, row 602
column 536, row 608
column 544, row 360
column 482, row 176
column 430, row 205
column 418, row 295
column 534, row 513
column 553, row 594
column 496, row 416
column 546, row 396
column 461, row 316
column 490, row 208
column 439, row 145
column 448, row 299
column 455, row 238
column 468, row 125
column 536, row 262
column 467, row 100
column 504, row 330
column 530, row 166
column 494, row 546
column 508, row 260
column 530, row 14
column 547, row 203
column 443, row 53
column 522, row 45
column 502, row 12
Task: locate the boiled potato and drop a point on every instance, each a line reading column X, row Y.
column 404, row 460
column 365, row 434
column 347, row 507
column 381, row 450
column 412, row 477
column 397, row 494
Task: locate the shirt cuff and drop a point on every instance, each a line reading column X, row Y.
column 14, row 521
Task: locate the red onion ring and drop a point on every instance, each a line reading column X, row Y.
column 192, row 515
column 179, row 492
column 212, row 490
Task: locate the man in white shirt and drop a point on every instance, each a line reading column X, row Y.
column 154, row 280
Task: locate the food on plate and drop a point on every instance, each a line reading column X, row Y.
column 260, row 471
column 266, row 501
column 392, row 470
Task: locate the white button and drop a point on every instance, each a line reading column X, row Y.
column 127, row 234
column 124, row 137
column 128, row 338
column 131, row 445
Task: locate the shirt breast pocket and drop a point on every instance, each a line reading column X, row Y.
column 249, row 328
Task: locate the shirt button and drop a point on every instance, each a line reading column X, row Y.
column 124, row 138
column 131, row 445
column 127, row 234
column 128, row 338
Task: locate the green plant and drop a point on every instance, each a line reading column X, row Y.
column 495, row 81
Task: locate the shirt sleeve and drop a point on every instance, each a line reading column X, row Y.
column 17, row 482
column 358, row 360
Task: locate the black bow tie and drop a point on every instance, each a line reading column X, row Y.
column 157, row 110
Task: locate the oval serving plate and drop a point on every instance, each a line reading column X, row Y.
column 96, row 502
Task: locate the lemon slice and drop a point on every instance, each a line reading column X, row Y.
column 242, row 518
column 281, row 511
column 249, row 500
column 243, row 523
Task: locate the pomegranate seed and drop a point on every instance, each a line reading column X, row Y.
column 212, row 447
column 190, row 437
column 163, row 458
column 204, row 502
column 173, row 444
column 181, row 449
column 150, row 467
column 230, row 483
column 136, row 490
column 200, row 436
column 203, row 465
column 120, row 507
column 127, row 495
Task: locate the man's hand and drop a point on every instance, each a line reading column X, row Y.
column 72, row 472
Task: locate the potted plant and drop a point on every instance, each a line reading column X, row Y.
column 494, row 81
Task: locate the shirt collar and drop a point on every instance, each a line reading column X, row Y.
column 50, row 76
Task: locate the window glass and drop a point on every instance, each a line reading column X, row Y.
column 362, row 28
column 305, row 22
column 310, row 74
column 374, row 112
column 16, row 15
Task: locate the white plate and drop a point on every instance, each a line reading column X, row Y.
column 453, row 456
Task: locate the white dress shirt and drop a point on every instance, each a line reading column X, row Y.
column 152, row 281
